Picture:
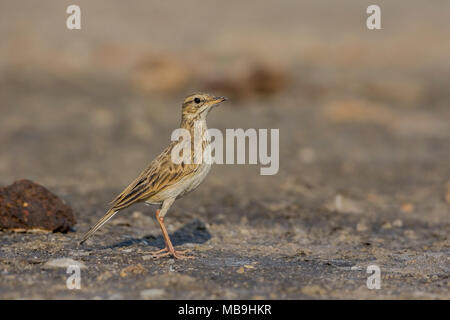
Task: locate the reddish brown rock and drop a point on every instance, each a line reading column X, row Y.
column 25, row 205
column 252, row 80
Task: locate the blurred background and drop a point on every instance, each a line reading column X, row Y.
column 363, row 116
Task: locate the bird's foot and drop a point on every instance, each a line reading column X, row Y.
column 178, row 254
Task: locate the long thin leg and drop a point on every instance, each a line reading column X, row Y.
column 169, row 249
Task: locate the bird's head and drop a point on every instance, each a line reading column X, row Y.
column 198, row 105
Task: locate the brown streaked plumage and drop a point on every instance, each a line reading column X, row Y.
column 164, row 181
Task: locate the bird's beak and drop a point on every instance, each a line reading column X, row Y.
column 218, row 100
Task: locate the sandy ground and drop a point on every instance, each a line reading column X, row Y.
column 364, row 174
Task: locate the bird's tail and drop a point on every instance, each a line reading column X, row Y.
column 99, row 224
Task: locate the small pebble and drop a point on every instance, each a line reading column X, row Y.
column 63, row 263
column 152, row 293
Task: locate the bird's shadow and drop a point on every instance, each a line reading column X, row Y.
column 192, row 232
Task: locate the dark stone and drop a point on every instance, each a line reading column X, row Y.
column 27, row 205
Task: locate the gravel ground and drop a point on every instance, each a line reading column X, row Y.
column 364, row 174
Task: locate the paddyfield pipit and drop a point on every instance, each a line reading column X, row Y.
column 165, row 180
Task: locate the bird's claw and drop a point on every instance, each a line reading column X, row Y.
column 180, row 254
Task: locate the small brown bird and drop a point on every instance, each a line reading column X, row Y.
column 165, row 180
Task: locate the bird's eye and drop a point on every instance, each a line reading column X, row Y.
column 197, row 100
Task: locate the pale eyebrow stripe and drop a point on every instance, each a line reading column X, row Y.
column 191, row 100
